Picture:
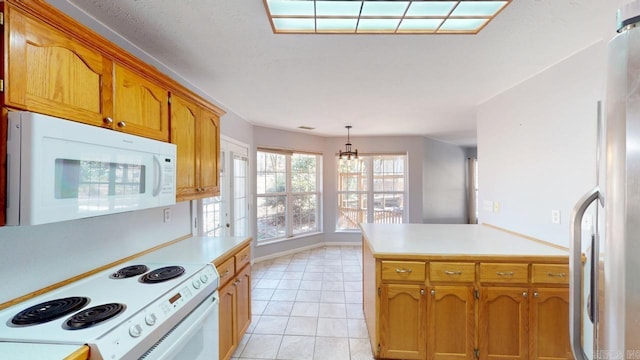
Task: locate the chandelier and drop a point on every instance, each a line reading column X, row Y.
column 347, row 153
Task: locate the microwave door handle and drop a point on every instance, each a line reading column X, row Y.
column 157, row 168
column 575, row 271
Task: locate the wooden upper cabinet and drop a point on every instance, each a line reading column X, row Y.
column 140, row 106
column 196, row 132
column 210, row 152
column 184, row 117
column 49, row 72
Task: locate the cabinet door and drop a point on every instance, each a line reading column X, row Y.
column 243, row 299
column 402, row 321
column 184, row 118
column 452, row 323
column 140, row 106
column 228, row 338
column 549, row 324
column 503, row 322
column 209, row 153
column 50, row 73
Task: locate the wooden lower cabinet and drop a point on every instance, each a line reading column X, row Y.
column 503, row 322
column 465, row 309
column 228, row 338
column 402, row 321
column 549, row 324
column 235, row 299
column 243, row 301
column 451, row 323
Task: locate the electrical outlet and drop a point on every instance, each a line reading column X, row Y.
column 496, row 207
column 555, row 216
column 167, row 215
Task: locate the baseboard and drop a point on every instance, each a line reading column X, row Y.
column 303, row 248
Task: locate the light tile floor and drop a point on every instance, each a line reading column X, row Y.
column 308, row 305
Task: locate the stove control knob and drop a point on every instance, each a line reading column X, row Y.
column 196, row 284
column 150, row 319
column 204, row 278
column 135, row 331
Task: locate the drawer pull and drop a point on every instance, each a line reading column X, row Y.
column 556, row 274
column 225, row 273
column 505, row 273
column 403, row 271
column 453, row 272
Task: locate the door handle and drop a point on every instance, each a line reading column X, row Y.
column 575, row 271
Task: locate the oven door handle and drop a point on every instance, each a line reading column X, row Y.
column 196, row 324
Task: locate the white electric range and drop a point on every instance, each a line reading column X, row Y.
column 127, row 312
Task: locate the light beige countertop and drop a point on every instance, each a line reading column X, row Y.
column 197, row 249
column 459, row 241
column 27, row 351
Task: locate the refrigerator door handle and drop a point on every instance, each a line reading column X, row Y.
column 575, row 271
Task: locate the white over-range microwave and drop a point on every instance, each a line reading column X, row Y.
column 60, row 170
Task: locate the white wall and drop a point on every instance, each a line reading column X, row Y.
column 444, row 183
column 537, row 146
column 33, row 257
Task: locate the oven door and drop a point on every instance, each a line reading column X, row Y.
column 194, row 338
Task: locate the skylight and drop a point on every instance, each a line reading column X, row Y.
column 381, row 16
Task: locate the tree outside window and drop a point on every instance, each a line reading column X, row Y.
column 288, row 194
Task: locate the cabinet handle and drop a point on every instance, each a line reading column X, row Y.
column 433, row 293
column 556, row 274
column 107, row 121
column 421, row 291
column 505, row 273
column 225, row 273
column 238, row 280
column 453, row 272
column 403, row 271
column 535, row 294
column 525, row 294
column 121, row 124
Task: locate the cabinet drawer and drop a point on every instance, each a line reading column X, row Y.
column 243, row 257
column 504, row 273
column 226, row 270
column 403, row 270
column 550, row 274
column 452, row 272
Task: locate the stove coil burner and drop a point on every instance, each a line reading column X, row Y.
column 129, row 271
column 49, row 310
column 93, row 316
column 162, row 274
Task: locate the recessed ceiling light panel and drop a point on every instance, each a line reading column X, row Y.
column 382, row 16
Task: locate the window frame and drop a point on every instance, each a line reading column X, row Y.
column 289, row 194
column 230, row 149
column 370, row 193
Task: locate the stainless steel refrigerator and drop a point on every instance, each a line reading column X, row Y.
column 605, row 249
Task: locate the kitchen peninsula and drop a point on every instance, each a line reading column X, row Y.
column 436, row 291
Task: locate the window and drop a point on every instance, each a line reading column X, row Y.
column 288, row 194
column 226, row 215
column 371, row 189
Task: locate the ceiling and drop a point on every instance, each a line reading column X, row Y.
column 428, row 85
